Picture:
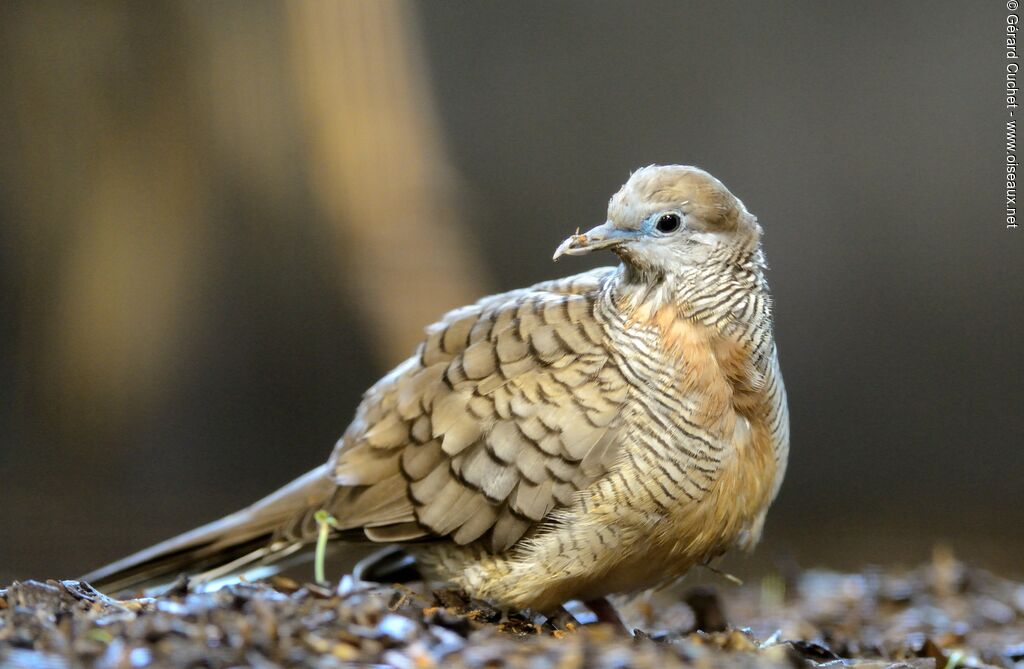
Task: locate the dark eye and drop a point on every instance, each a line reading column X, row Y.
column 668, row 223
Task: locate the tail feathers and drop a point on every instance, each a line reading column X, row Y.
column 269, row 529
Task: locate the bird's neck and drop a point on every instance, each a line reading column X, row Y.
column 724, row 288
column 710, row 322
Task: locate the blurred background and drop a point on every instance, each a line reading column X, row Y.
column 221, row 222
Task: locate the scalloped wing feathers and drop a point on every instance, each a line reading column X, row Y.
column 509, row 407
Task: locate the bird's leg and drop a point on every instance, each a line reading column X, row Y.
column 562, row 620
column 606, row 613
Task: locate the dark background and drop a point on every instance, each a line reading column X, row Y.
column 188, row 316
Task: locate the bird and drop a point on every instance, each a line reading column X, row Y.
column 587, row 436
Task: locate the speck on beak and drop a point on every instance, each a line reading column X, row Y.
column 601, row 237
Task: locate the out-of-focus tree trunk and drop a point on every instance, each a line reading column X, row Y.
column 108, row 205
column 127, row 137
column 378, row 168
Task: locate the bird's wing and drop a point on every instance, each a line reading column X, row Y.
column 508, row 408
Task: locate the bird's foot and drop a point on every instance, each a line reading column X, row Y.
column 563, row 621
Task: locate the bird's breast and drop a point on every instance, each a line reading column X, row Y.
column 719, row 449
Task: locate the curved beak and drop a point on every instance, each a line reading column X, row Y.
column 603, row 236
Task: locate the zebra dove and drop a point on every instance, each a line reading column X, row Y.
column 585, row 436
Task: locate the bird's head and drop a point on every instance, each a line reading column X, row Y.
column 667, row 218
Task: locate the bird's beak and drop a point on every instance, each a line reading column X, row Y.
column 603, row 236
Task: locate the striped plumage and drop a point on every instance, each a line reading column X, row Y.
column 585, row 436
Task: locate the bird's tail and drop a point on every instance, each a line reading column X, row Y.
column 265, row 532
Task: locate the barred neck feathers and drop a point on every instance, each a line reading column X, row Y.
column 711, row 322
column 726, row 292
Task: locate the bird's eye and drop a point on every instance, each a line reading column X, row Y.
column 668, row 223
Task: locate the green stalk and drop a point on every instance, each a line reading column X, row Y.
column 325, row 522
